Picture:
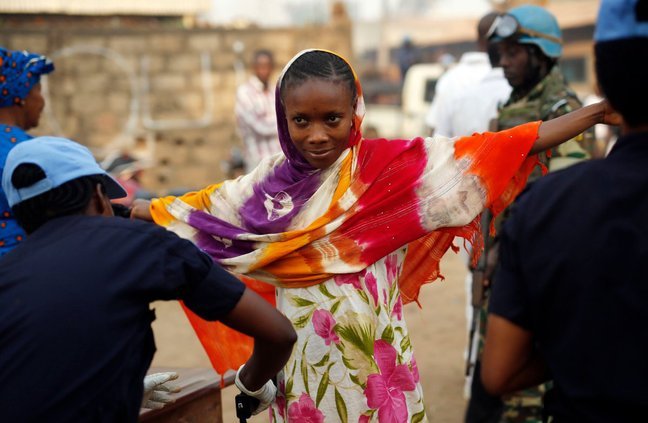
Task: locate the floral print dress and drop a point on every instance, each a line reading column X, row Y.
column 353, row 360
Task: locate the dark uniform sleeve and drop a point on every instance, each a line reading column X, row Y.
column 192, row 276
column 509, row 296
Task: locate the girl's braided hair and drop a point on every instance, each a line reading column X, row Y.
column 321, row 65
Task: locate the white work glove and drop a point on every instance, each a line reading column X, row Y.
column 156, row 392
column 266, row 394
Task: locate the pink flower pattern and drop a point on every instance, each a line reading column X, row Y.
column 304, row 411
column 415, row 370
column 398, row 309
column 363, row 419
column 324, row 324
column 372, row 286
column 348, row 278
column 385, row 389
column 391, row 266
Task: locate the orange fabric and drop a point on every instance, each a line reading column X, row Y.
column 197, row 199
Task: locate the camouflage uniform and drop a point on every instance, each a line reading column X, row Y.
column 549, row 99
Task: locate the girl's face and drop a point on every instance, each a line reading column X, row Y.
column 320, row 115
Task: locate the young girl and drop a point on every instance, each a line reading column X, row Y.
column 348, row 230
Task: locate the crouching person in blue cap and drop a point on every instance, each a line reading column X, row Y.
column 75, row 323
column 570, row 298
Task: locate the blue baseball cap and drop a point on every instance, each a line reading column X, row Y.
column 620, row 19
column 62, row 160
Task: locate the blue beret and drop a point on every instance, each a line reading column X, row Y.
column 620, row 19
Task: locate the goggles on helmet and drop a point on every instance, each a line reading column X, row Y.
column 505, row 26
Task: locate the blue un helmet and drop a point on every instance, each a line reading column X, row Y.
column 530, row 25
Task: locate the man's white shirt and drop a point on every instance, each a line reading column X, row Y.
column 472, row 67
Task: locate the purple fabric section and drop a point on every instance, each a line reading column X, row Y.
column 209, row 227
column 300, row 186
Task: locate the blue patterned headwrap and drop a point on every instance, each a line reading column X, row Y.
column 19, row 72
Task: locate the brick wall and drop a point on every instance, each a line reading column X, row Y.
column 164, row 94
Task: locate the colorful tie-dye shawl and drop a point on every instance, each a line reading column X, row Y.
column 292, row 226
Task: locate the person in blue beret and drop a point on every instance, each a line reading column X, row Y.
column 21, row 105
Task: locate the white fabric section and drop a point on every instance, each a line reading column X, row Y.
column 180, row 210
column 473, row 109
column 182, row 229
column 452, row 197
column 471, row 68
column 256, row 121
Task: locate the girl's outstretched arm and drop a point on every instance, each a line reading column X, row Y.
column 141, row 210
column 556, row 131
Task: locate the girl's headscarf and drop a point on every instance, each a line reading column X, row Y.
column 19, row 72
column 294, row 178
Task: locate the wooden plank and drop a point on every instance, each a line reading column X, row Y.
column 199, row 400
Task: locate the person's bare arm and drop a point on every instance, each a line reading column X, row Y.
column 556, row 131
column 510, row 362
column 141, row 209
column 273, row 336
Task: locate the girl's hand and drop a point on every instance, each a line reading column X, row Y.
column 610, row 116
column 141, row 210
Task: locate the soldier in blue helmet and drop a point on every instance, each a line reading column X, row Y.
column 569, row 300
column 529, row 42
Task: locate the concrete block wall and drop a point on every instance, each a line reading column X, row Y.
column 143, row 91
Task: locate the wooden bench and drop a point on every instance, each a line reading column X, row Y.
column 199, row 400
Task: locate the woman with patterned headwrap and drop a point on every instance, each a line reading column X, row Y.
column 21, row 104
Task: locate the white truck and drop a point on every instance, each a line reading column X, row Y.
column 406, row 120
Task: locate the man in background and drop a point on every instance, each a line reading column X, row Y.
column 255, row 112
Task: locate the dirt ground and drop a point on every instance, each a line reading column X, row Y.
column 438, row 333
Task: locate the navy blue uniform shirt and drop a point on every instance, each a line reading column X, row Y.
column 75, row 323
column 574, row 272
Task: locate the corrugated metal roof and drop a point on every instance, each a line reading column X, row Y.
column 107, row 7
